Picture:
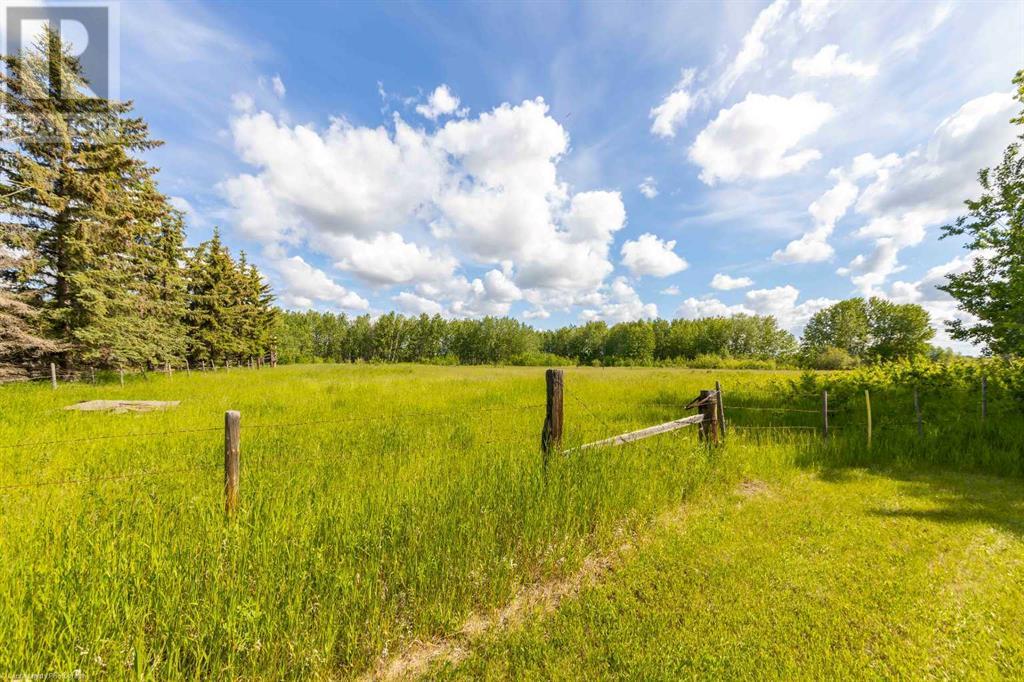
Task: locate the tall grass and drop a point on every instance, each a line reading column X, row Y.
column 419, row 499
column 352, row 537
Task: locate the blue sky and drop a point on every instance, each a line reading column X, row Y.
column 566, row 162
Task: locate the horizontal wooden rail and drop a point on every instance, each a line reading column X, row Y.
column 644, row 433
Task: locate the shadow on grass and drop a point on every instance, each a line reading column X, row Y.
column 944, row 495
column 960, row 498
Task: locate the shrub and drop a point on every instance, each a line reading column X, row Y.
column 538, row 358
column 830, row 358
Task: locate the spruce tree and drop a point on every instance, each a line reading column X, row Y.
column 98, row 233
column 260, row 313
column 214, row 317
column 20, row 345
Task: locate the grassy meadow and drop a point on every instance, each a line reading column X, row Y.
column 382, row 505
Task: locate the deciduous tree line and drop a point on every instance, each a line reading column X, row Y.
column 93, row 267
column 898, row 332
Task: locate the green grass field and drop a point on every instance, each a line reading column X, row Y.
column 385, row 505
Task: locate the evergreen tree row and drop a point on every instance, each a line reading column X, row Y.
column 93, row 268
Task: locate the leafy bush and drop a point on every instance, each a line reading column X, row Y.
column 1004, row 376
column 538, row 358
column 830, row 358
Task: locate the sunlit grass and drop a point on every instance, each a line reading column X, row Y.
column 840, row 574
column 379, row 504
column 422, row 499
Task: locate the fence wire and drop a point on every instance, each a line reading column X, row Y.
column 848, row 402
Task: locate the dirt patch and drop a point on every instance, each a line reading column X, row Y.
column 123, row 406
column 532, row 601
column 752, row 488
column 529, row 602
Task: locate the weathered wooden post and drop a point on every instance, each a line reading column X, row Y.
column 984, row 397
column 53, row 375
column 551, row 435
column 92, row 375
column 202, row 365
column 720, row 404
column 824, row 414
column 167, row 368
column 120, row 372
column 188, row 368
column 232, row 449
column 917, row 414
column 708, row 407
column 867, row 406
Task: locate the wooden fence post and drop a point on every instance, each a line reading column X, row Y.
column 984, row 397
column 720, row 404
column 917, row 413
column 53, row 375
column 232, row 448
column 188, row 368
column 708, row 431
column 551, row 435
column 824, row 414
column 867, row 406
column 167, row 368
column 120, row 372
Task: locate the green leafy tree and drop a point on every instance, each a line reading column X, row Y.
column 992, row 290
column 874, row 330
column 843, row 325
column 631, row 343
column 898, row 330
column 587, row 343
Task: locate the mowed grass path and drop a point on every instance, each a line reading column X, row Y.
column 842, row 573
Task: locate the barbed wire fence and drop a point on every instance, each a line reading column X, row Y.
column 65, row 374
column 712, row 422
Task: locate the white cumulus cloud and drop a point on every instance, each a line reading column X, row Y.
column 441, row 102
column 388, row 259
column 759, row 137
column 399, row 205
column 417, row 305
column 779, row 302
column 727, row 283
column 305, row 284
column 620, row 303
column 649, row 187
column 650, row 255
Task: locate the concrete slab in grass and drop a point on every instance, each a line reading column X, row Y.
column 123, row 406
